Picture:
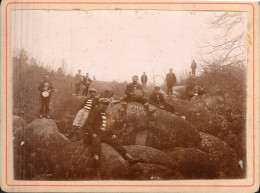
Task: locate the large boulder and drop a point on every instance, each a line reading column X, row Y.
column 193, row 163
column 225, row 158
column 201, row 118
column 37, row 149
column 18, row 123
column 151, row 155
column 179, row 92
column 162, row 129
column 78, row 163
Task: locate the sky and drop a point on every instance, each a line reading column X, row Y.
column 112, row 44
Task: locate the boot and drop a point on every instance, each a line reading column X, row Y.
column 132, row 160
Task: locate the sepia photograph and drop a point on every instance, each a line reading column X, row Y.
column 129, row 95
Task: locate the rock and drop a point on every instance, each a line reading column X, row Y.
column 78, row 163
column 161, row 130
column 225, row 158
column 18, row 123
column 37, row 149
column 151, row 155
column 143, row 171
column 201, row 118
column 193, row 163
column 107, row 93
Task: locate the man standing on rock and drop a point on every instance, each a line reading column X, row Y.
column 83, row 113
column 170, row 81
column 77, row 82
column 97, row 132
column 144, row 80
column 46, row 90
column 193, row 67
column 86, row 83
column 157, row 99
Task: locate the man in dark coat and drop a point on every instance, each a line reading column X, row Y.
column 144, row 80
column 157, row 99
column 86, row 82
column 46, row 90
column 193, row 67
column 134, row 92
column 98, row 131
column 170, row 81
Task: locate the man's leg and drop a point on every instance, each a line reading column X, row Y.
column 47, row 107
column 42, row 107
column 78, row 88
column 95, row 145
column 83, row 92
column 86, row 91
column 168, row 89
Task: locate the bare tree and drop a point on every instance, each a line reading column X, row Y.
column 228, row 45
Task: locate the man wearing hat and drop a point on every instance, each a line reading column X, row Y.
column 134, row 92
column 83, row 113
column 170, row 81
column 157, row 99
column 98, row 131
column 77, row 82
column 46, row 90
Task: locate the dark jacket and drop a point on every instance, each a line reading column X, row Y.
column 94, row 123
column 42, row 88
column 144, row 78
column 94, row 103
column 86, row 81
column 131, row 87
column 156, row 99
column 170, row 78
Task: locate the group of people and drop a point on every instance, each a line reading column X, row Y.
column 82, row 80
column 91, row 124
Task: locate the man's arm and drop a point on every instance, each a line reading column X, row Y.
column 40, row 88
column 127, row 90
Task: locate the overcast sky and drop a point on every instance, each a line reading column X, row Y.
column 112, row 44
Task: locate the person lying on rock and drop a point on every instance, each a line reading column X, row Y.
column 83, row 113
column 97, row 132
column 157, row 99
column 46, row 90
column 197, row 90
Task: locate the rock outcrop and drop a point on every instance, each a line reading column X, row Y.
column 201, row 118
column 224, row 157
column 78, row 163
column 162, row 130
column 37, row 149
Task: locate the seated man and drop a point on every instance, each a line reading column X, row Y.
column 97, row 132
column 157, row 99
column 134, row 92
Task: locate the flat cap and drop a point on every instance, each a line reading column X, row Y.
column 104, row 101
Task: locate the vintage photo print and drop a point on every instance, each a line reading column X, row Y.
column 129, row 96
